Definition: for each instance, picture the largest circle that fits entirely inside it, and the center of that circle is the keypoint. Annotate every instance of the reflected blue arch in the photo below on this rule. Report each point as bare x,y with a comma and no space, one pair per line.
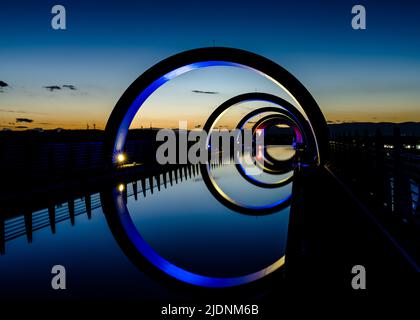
171,269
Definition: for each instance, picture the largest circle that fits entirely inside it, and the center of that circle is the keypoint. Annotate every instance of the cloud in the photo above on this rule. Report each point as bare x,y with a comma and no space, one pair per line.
205,92
18,120
3,85
21,127
57,87
69,86
52,88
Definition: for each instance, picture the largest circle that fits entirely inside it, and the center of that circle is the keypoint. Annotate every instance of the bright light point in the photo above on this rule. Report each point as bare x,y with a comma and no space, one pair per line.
121,188
259,155
259,131
121,157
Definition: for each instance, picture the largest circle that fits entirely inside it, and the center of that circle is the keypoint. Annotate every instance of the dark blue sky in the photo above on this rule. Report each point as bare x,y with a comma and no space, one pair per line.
354,75
312,26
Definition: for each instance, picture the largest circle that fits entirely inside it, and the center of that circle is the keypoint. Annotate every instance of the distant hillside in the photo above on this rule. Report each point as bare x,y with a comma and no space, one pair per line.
387,128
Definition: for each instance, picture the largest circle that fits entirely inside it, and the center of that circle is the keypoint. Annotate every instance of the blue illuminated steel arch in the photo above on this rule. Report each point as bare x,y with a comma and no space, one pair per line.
269,163
141,89
283,108
296,120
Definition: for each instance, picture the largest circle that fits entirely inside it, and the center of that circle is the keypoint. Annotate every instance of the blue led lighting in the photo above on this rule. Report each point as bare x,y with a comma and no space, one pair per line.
145,94
174,271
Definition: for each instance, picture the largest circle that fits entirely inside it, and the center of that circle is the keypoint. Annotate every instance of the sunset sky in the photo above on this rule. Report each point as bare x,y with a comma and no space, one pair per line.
369,75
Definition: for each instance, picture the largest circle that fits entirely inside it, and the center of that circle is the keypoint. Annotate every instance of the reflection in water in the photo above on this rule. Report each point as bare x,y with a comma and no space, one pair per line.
281,152
246,189
280,177
171,222
197,240
183,223
56,213
49,217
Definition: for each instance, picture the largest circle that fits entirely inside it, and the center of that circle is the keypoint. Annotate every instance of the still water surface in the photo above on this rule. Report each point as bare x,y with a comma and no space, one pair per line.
182,222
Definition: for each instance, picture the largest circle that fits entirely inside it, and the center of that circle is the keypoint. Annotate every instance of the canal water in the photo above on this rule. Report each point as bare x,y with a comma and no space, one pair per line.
177,217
